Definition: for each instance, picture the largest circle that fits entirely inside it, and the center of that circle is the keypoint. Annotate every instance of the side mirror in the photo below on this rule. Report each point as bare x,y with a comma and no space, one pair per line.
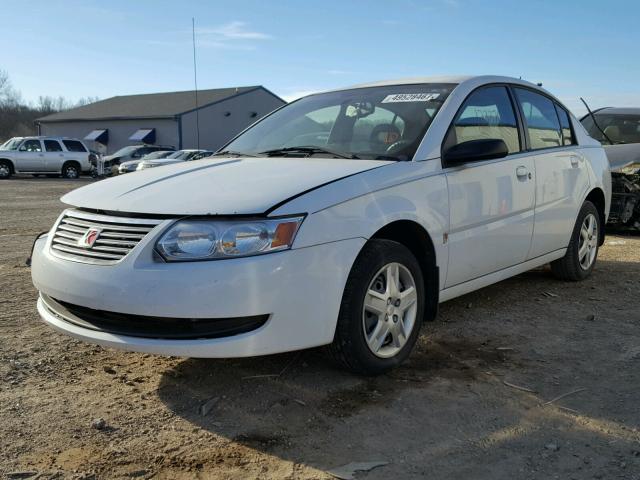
475,151
23,148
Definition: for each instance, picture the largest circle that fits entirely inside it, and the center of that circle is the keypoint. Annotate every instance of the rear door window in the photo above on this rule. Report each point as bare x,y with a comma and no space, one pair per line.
74,146
541,119
486,114
52,146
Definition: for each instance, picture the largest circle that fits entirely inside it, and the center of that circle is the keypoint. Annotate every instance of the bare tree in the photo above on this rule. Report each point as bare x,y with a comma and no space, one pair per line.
17,118
8,96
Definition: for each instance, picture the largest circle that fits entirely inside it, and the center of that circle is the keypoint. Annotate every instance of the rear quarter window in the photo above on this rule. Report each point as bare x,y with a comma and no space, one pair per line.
568,138
74,146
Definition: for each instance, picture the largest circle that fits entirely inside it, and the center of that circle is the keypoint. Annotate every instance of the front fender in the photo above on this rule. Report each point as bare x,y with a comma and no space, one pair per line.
420,197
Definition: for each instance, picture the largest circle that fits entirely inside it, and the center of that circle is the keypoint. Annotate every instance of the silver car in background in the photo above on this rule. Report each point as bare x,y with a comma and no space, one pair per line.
175,157
131,165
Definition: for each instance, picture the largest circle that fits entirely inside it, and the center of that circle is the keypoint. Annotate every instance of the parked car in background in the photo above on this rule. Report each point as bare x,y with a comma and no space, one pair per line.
175,157
132,152
68,157
618,129
131,165
341,219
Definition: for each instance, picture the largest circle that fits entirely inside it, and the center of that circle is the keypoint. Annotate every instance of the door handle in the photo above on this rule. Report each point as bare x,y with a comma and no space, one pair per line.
574,161
523,172
41,154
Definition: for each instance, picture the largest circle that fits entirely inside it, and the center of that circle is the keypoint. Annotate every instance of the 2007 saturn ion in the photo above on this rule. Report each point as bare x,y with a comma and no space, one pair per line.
341,219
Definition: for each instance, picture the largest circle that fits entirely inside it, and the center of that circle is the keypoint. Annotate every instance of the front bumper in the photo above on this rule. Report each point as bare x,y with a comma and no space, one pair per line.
300,290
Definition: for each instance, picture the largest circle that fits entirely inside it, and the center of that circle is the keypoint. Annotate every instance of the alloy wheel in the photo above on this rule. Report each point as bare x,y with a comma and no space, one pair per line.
389,310
5,171
588,244
71,172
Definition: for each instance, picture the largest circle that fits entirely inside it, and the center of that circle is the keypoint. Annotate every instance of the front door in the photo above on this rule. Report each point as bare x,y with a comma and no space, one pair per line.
491,203
30,157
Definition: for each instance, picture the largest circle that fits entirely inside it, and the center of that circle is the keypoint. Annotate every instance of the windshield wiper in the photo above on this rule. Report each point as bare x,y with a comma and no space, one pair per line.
309,151
231,153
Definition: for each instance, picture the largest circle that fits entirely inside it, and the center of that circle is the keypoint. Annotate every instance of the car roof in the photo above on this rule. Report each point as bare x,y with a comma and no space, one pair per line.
619,110
454,79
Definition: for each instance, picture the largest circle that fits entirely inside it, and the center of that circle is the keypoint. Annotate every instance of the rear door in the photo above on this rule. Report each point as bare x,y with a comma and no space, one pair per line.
54,155
76,151
562,180
491,202
30,157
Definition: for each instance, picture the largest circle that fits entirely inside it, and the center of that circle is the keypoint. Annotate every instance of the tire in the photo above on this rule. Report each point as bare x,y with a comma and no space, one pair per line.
356,346
35,175
5,170
70,170
582,252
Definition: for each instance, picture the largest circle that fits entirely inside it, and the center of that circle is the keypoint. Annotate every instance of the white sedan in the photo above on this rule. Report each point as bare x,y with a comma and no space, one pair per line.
341,219
175,157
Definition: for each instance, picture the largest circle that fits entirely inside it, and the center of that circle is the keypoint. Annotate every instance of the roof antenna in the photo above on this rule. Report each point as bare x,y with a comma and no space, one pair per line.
195,80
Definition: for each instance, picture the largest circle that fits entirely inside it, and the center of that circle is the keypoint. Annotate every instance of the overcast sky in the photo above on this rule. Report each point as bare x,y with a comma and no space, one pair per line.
82,48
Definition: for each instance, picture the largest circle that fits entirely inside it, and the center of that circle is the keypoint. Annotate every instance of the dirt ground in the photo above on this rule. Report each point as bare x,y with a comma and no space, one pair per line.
452,412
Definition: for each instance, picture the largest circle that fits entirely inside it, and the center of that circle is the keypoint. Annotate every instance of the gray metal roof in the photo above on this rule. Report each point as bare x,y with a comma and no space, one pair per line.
151,105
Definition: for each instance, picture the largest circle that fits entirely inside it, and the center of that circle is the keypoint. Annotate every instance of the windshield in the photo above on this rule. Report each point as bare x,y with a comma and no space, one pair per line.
157,154
123,152
179,154
373,123
619,128
11,144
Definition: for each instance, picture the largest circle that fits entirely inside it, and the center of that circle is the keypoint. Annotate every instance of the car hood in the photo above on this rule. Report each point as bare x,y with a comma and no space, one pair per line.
622,155
225,186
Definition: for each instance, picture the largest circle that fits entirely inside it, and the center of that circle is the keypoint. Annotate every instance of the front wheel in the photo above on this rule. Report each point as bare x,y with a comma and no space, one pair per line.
382,309
582,252
5,169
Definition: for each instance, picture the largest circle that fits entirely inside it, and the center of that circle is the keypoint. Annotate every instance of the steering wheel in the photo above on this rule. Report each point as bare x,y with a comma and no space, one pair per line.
398,146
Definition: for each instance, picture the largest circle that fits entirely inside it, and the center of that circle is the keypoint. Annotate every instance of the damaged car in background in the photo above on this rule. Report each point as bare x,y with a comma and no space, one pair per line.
618,129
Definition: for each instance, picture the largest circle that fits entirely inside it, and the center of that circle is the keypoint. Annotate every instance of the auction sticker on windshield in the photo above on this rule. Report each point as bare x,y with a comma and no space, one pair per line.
410,97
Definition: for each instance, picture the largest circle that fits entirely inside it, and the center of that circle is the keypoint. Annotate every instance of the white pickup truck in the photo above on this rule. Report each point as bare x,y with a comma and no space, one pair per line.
44,155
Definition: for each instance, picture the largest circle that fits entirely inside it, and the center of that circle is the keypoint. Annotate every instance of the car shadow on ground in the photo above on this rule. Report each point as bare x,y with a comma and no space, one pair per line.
294,404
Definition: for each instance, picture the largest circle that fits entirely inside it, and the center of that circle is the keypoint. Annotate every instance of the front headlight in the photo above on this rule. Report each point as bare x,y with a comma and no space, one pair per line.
209,240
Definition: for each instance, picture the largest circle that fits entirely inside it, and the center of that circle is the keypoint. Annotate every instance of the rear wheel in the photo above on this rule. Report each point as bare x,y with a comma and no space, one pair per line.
382,309
5,169
70,170
582,252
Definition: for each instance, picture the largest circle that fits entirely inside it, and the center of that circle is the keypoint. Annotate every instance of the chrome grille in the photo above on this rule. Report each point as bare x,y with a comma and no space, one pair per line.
114,238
